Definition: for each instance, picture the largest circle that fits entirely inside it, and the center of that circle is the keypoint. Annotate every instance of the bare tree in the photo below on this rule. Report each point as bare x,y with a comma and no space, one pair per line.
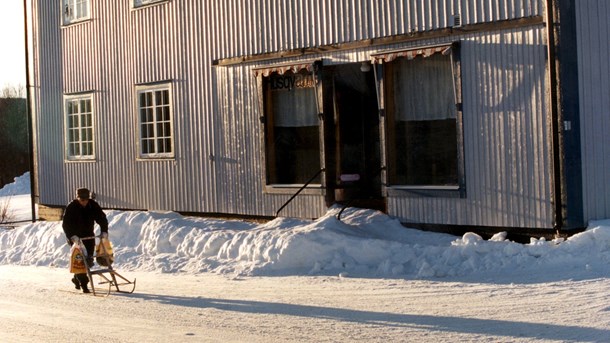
12,92
6,215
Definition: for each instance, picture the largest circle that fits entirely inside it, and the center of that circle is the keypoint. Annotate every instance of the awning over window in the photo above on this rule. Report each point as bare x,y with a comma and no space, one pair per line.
389,56
281,69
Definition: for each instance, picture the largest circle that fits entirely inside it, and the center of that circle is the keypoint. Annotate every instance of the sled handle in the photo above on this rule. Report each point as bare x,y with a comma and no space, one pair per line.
87,238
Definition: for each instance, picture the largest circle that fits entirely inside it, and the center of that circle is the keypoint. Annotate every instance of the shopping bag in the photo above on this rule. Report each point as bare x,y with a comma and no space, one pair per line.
103,252
78,259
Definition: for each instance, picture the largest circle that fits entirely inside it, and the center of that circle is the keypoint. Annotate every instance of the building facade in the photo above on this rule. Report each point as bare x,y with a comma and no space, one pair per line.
441,113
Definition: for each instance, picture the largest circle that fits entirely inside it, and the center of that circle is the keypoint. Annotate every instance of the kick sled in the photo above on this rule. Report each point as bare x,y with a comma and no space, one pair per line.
105,276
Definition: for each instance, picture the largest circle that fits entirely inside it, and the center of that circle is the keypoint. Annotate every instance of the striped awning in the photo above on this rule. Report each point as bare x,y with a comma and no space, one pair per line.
282,69
389,56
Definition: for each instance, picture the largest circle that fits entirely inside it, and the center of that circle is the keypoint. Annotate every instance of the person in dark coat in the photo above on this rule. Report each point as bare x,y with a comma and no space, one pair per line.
79,219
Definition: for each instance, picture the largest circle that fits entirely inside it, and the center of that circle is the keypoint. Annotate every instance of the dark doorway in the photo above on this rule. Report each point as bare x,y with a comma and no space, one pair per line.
355,137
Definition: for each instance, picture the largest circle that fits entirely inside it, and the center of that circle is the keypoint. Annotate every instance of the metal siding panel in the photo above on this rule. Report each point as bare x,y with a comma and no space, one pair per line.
238,158
196,185
214,110
508,174
108,100
593,34
49,119
287,25
478,11
107,59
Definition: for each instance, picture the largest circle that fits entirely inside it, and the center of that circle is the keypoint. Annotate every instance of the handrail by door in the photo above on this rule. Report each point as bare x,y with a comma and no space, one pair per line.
299,191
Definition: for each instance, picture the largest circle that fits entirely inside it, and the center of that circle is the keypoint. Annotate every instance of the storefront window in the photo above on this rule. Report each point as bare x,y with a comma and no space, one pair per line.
292,128
425,122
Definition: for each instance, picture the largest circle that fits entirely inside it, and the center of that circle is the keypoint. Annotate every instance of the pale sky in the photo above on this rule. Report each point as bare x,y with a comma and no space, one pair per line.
12,57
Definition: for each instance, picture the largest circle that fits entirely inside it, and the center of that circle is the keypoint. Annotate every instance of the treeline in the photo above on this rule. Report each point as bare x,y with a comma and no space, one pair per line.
14,150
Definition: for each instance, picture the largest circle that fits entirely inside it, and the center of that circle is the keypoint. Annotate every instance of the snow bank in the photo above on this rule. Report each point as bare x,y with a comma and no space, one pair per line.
365,243
20,186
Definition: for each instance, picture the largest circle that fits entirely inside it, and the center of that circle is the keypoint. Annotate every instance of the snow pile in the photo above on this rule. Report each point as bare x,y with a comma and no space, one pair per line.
365,243
19,187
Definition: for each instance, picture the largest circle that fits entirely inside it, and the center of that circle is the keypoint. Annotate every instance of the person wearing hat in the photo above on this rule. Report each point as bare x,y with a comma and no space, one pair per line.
79,219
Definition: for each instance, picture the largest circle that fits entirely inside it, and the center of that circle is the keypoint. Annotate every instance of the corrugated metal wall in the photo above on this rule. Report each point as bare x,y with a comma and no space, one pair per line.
272,26
47,106
218,155
507,159
594,79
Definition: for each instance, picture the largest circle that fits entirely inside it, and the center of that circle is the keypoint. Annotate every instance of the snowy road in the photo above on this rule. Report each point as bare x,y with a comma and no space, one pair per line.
215,308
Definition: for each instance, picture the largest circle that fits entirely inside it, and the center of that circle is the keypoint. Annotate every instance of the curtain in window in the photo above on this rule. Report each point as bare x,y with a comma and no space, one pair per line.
424,86
295,108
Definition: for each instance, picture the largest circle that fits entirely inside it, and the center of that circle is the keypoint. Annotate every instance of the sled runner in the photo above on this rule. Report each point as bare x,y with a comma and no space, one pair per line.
106,275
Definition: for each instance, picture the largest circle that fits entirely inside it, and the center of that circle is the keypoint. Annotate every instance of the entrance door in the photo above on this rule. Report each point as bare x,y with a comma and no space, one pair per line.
357,159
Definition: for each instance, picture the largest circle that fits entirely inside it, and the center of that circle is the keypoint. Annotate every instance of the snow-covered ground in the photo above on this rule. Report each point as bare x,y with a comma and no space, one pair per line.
364,278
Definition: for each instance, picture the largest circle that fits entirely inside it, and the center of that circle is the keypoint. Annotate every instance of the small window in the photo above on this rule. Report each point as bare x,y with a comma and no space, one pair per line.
155,123
140,3
292,128
75,11
79,127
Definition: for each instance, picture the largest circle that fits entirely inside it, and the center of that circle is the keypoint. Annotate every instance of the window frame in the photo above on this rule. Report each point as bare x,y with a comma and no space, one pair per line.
263,73
68,98
136,5
146,88
385,95
71,4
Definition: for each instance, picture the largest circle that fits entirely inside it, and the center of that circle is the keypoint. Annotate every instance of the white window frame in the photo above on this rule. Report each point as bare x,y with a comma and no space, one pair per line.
73,11
79,130
143,3
154,136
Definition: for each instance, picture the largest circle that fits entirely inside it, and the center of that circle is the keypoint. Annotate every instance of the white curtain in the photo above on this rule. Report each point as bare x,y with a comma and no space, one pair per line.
423,88
295,108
